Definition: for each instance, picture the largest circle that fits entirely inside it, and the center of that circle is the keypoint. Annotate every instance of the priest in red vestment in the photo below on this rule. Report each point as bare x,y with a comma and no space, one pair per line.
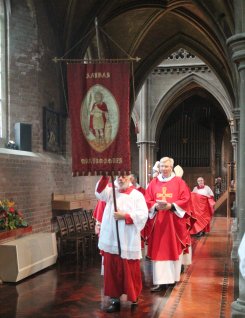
203,205
122,273
168,199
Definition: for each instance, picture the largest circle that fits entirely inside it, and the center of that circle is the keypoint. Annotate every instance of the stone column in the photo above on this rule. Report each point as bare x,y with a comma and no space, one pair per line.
237,46
142,135
146,161
146,146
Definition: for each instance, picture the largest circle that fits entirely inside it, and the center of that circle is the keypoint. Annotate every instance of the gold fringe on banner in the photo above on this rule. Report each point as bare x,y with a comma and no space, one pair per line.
100,173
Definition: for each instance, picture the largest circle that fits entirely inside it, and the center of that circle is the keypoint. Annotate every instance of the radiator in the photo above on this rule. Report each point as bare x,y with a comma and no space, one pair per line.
27,255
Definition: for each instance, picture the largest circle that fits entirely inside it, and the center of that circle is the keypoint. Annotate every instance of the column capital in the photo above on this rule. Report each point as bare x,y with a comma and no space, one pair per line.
236,112
237,45
234,138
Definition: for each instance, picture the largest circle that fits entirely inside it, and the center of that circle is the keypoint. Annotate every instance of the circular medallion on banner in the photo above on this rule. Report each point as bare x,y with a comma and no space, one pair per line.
99,117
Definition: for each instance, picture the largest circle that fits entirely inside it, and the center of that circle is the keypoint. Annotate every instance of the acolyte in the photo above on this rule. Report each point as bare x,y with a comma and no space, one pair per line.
98,75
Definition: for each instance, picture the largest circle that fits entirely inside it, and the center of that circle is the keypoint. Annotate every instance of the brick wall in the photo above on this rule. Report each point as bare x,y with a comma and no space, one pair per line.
34,82
31,180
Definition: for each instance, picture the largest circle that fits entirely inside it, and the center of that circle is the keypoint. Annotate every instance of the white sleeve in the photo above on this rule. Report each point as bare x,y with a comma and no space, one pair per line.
139,211
104,195
210,192
241,253
179,212
152,211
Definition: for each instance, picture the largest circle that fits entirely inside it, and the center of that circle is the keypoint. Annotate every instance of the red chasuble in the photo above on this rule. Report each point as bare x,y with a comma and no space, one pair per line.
170,235
203,207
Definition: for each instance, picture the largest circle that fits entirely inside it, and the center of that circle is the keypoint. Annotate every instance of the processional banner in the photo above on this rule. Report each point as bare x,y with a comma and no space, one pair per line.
98,96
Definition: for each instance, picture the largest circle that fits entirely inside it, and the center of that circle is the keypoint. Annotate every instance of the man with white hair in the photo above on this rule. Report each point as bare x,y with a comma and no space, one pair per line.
168,198
122,273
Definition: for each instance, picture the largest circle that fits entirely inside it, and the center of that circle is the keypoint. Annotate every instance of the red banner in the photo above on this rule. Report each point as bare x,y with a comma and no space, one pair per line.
99,113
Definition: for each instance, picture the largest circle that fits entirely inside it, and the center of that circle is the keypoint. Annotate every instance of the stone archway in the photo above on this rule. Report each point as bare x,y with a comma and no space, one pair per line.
184,88
193,135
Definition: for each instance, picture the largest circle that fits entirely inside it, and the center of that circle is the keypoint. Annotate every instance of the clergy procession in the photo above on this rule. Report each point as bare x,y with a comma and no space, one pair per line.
163,218
122,159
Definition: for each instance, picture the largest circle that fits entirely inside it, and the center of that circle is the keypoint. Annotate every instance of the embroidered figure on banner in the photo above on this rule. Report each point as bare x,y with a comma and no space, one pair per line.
99,117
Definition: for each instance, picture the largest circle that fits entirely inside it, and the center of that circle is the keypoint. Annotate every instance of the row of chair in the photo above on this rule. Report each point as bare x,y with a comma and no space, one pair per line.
76,234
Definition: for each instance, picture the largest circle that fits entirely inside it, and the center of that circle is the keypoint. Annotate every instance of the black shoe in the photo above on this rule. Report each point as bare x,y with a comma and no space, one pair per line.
135,303
159,288
114,306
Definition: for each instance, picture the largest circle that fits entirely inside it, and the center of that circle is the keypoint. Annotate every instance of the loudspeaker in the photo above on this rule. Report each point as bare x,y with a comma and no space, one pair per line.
23,136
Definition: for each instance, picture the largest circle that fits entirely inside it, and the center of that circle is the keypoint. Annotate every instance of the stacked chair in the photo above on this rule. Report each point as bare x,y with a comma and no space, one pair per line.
76,233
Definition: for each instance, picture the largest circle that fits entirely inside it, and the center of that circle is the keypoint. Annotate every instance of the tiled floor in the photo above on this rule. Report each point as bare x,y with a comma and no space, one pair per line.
206,289
70,290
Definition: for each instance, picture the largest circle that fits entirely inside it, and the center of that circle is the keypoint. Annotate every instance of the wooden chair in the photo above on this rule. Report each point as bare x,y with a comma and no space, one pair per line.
68,238
82,228
90,232
88,214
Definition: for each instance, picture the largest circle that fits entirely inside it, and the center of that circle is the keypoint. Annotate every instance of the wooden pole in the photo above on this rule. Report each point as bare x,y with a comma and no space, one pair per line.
115,208
97,37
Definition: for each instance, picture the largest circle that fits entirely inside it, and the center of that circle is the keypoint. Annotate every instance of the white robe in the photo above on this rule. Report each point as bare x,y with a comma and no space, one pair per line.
130,240
204,191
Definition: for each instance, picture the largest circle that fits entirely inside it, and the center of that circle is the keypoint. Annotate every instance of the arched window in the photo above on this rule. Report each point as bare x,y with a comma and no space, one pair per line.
3,107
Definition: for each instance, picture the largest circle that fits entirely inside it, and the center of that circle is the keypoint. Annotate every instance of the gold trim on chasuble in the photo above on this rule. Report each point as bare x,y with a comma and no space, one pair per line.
164,195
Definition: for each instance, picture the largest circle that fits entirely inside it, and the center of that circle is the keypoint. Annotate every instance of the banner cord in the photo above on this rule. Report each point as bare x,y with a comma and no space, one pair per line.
73,47
99,60
133,87
64,91
110,38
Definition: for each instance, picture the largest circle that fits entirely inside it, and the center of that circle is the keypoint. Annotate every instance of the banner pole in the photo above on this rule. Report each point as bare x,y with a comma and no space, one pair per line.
97,37
115,208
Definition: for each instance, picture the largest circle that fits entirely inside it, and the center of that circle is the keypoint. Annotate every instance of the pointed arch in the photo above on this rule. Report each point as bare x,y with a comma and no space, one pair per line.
180,89
219,65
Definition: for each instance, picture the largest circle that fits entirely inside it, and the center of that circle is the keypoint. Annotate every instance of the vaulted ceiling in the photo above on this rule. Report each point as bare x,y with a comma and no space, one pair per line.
150,30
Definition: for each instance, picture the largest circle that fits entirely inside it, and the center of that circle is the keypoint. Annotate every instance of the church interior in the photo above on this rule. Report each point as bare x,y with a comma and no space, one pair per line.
186,101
